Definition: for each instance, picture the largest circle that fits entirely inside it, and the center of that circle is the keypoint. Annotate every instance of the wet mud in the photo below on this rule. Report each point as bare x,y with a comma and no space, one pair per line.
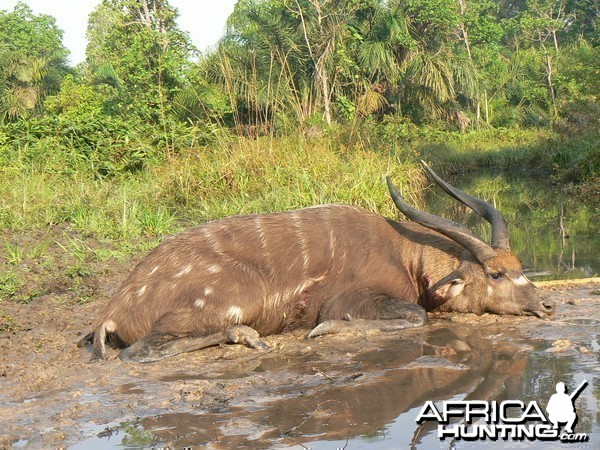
333,392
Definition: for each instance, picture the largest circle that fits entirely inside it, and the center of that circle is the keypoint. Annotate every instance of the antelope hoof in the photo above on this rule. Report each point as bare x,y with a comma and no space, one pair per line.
241,334
329,327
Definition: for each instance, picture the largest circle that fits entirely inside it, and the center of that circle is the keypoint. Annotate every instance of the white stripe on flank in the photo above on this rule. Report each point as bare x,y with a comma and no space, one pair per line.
293,292
332,240
262,237
214,244
260,229
301,238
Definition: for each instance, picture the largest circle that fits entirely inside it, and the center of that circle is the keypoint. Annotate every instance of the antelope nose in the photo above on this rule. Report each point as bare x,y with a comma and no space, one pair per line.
547,306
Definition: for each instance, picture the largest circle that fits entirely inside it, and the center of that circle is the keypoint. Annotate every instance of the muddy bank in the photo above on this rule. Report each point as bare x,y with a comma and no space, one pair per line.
357,391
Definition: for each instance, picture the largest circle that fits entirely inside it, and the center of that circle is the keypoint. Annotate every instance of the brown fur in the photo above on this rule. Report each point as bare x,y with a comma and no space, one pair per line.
297,269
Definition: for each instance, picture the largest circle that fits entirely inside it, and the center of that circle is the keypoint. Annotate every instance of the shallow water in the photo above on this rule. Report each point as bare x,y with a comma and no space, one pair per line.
555,235
327,397
337,392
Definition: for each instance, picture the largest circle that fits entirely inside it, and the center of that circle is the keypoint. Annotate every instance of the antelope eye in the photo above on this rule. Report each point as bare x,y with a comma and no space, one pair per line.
495,275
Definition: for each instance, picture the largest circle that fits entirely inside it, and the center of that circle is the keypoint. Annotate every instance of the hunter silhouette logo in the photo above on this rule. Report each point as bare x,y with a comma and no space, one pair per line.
507,420
561,408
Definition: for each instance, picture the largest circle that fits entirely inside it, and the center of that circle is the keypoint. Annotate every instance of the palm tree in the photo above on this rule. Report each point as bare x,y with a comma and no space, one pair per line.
434,80
24,84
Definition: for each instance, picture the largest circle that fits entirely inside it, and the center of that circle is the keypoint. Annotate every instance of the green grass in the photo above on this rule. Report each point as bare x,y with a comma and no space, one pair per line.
62,228
494,148
10,283
240,176
571,158
233,177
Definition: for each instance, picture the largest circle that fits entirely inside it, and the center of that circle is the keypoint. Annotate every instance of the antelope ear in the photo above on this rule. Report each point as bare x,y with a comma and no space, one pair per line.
449,287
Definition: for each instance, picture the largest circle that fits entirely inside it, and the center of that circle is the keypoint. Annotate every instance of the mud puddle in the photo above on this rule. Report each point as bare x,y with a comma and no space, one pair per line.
336,392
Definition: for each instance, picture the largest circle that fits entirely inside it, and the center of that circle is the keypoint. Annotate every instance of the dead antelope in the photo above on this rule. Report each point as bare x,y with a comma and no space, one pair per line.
330,268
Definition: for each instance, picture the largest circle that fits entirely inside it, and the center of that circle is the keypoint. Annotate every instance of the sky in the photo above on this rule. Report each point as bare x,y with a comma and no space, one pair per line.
203,19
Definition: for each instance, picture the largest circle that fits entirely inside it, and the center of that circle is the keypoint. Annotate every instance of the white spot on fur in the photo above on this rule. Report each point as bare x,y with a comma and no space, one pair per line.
235,314
141,290
110,326
185,270
214,268
199,303
153,270
521,281
208,290
490,290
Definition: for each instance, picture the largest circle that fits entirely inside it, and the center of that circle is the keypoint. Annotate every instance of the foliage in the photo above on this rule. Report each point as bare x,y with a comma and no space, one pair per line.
77,140
33,61
397,75
136,45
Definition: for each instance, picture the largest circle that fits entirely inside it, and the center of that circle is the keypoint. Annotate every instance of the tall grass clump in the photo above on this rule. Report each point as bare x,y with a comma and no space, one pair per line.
253,176
232,176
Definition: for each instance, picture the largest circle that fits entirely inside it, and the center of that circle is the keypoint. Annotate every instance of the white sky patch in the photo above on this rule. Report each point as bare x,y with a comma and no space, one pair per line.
204,20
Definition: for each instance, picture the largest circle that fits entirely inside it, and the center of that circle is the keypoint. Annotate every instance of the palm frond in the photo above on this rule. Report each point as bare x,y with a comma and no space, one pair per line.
370,102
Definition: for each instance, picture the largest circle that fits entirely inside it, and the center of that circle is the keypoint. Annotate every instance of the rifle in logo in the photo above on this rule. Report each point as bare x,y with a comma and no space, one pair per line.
561,408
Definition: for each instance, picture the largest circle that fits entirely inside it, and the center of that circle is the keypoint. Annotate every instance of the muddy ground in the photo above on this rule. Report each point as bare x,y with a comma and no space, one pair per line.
352,391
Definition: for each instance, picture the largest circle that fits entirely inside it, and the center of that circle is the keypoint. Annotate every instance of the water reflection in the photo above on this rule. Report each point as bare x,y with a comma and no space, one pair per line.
554,234
436,364
373,398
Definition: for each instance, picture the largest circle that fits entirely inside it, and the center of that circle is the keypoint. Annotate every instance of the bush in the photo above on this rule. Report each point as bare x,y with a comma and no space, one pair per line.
99,145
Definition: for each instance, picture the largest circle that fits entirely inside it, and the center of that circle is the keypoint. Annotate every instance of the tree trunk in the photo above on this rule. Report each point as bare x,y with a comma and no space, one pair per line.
463,29
487,110
322,80
146,19
555,40
322,75
550,84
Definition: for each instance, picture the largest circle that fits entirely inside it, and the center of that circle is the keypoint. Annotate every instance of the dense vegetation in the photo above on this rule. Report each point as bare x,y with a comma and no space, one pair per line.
289,65
301,102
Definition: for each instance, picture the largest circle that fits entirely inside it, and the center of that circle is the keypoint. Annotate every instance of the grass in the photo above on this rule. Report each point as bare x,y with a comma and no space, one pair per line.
235,177
16,253
10,284
569,158
63,229
65,226
494,148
